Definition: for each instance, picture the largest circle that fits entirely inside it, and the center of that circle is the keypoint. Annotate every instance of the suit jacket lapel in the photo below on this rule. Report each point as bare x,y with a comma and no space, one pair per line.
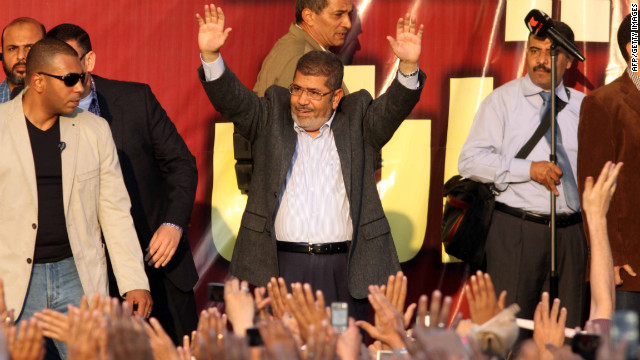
289,141
632,98
18,128
109,110
69,136
340,128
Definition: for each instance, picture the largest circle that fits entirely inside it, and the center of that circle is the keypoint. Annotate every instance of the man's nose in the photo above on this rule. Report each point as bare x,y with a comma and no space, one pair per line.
346,22
22,53
78,87
304,98
544,57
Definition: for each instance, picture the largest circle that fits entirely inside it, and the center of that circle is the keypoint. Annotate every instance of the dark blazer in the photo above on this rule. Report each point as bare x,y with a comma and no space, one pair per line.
610,130
159,171
361,127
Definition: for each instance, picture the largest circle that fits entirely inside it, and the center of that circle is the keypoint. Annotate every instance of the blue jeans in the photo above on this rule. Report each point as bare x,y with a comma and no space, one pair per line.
53,286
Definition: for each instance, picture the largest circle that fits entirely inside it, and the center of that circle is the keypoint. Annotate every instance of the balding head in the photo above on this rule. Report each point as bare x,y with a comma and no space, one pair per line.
17,39
24,21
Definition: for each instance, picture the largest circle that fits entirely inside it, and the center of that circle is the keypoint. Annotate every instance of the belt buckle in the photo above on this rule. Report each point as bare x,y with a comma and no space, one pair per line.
310,248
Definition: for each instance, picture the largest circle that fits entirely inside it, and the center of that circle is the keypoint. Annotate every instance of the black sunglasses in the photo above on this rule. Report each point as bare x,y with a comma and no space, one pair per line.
69,80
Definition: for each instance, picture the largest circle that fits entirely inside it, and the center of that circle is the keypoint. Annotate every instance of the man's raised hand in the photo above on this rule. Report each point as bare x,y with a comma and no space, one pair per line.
407,44
211,32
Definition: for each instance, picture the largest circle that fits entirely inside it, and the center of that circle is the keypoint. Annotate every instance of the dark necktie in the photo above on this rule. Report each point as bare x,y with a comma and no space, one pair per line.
94,107
569,184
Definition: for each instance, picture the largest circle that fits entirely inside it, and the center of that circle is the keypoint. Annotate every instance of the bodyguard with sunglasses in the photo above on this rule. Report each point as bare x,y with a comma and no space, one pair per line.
61,188
313,214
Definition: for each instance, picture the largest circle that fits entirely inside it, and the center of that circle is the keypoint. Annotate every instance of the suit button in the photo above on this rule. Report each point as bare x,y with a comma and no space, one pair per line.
29,260
34,226
275,194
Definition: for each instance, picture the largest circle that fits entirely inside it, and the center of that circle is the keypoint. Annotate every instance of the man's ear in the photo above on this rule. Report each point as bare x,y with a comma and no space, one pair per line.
90,61
308,16
569,61
37,83
337,96
628,47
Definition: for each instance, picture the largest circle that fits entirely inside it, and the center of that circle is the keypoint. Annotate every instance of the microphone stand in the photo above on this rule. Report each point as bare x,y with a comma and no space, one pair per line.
553,275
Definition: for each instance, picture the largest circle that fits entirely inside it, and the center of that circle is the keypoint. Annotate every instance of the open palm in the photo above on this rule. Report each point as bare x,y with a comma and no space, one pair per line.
407,44
211,33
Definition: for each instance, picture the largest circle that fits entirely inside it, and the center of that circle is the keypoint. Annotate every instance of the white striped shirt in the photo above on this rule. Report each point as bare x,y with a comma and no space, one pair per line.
313,205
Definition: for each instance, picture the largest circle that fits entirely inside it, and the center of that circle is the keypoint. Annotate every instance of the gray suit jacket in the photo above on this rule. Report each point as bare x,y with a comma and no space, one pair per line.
361,127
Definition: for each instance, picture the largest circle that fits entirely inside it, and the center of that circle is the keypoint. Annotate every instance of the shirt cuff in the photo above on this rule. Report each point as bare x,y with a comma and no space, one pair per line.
410,82
177,227
520,170
213,70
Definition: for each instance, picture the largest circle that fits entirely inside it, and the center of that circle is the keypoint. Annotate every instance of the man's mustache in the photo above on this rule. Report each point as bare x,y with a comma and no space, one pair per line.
542,67
23,63
304,107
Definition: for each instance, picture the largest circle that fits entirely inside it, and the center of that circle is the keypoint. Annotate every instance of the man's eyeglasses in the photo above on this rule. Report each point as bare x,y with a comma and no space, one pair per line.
313,94
69,80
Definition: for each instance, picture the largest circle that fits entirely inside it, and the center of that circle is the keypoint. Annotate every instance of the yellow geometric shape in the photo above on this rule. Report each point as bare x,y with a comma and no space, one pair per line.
465,97
404,185
589,19
357,77
515,29
227,202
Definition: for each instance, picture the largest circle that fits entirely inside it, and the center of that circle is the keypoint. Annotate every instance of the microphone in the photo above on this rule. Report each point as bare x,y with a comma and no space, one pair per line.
62,145
540,24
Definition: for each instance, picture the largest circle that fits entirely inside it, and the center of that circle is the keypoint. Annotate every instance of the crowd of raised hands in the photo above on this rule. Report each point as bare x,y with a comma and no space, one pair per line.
294,322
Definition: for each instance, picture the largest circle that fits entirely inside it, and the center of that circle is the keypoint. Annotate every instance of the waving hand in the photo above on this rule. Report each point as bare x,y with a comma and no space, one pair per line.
211,32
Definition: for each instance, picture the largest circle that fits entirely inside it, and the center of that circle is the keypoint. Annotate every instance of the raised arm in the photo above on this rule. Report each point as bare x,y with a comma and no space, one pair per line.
595,203
211,32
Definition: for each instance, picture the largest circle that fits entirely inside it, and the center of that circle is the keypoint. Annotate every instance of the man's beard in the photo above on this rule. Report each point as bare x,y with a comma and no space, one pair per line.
13,77
310,120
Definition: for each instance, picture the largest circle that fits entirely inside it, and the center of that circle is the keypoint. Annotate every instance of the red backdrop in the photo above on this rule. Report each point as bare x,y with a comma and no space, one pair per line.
155,42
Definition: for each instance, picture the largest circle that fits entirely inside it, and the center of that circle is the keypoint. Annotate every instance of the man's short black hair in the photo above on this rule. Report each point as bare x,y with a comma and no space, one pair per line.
624,36
44,51
314,5
322,63
67,32
23,20
563,29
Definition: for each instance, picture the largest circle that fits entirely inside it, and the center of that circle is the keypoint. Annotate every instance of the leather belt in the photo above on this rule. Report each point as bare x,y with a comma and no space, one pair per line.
317,249
561,220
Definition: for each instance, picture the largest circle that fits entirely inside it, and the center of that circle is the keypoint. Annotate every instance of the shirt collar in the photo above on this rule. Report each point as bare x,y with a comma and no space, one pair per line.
634,77
5,91
298,26
529,89
322,129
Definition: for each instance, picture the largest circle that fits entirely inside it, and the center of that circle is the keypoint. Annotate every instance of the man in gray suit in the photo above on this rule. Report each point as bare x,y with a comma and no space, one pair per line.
313,213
